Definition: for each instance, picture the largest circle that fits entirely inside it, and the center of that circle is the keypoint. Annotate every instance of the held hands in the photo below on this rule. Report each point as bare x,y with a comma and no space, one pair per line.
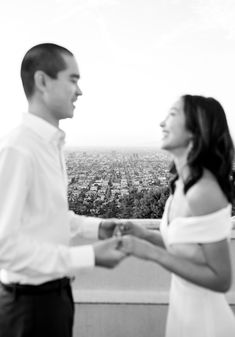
134,240
130,228
117,227
131,245
107,228
108,253
121,238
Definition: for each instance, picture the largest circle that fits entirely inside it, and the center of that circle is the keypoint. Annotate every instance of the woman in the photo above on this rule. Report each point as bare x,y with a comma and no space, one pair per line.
196,225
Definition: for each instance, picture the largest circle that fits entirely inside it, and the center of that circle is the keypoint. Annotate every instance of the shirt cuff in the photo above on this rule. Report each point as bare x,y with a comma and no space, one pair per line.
82,257
91,228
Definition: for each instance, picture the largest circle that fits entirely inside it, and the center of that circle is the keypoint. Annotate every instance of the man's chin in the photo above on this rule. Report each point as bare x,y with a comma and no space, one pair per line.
70,114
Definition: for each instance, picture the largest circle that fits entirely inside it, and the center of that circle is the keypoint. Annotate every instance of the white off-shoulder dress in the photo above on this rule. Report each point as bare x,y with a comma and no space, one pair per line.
195,311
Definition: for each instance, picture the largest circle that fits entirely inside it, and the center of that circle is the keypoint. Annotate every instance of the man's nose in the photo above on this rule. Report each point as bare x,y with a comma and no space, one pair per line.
78,91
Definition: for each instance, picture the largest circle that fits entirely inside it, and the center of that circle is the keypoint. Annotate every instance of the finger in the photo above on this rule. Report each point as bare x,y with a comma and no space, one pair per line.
121,254
127,244
115,242
121,229
117,231
119,243
128,227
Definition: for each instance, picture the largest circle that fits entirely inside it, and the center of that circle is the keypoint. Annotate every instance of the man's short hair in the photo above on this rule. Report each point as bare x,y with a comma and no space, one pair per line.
47,57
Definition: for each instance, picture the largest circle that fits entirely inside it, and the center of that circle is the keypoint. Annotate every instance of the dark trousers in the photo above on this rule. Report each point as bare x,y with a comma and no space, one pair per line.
36,311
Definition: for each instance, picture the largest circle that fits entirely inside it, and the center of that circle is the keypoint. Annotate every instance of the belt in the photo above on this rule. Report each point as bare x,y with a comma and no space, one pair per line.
44,288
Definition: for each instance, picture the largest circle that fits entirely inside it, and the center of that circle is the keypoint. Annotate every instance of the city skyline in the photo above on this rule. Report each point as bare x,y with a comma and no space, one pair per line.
136,57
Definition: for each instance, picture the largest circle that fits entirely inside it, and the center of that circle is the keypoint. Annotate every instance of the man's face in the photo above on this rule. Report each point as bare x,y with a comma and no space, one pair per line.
63,91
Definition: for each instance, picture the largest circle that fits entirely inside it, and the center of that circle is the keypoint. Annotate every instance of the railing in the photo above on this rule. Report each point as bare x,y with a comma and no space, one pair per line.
128,301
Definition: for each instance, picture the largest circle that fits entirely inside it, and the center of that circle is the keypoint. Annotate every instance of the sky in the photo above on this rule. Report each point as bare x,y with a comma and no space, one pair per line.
136,57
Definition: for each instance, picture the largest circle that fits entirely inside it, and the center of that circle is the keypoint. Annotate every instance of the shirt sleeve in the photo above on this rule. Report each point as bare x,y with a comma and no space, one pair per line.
87,227
19,252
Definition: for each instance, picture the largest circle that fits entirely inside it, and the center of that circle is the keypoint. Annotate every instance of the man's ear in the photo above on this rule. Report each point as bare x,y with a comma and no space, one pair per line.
40,80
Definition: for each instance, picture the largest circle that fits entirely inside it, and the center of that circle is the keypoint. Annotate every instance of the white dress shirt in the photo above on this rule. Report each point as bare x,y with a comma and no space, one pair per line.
35,223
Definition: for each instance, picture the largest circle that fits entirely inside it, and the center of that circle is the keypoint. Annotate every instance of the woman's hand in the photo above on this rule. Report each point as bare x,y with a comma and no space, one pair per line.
137,247
128,227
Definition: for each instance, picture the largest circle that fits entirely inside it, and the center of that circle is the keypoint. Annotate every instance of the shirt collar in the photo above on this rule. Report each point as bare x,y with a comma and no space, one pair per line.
45,130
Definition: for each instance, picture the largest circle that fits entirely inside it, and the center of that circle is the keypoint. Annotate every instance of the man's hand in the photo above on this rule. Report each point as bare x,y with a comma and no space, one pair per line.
107,253
118,227
130,228
107,228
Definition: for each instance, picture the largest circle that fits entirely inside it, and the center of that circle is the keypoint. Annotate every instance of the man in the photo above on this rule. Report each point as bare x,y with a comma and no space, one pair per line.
35,224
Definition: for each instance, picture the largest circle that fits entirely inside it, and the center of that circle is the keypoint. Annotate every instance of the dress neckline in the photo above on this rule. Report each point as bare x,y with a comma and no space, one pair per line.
168,222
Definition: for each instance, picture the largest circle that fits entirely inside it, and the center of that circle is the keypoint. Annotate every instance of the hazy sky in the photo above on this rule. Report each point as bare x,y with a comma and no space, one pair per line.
136,57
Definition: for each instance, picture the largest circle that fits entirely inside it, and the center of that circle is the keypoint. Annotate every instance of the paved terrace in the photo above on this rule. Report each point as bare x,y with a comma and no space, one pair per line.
128,301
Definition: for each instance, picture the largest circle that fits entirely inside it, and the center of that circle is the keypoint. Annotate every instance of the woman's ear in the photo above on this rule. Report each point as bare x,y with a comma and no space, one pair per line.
190,144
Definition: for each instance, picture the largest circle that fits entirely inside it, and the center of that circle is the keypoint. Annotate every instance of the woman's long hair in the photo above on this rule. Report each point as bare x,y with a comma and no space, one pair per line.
212,145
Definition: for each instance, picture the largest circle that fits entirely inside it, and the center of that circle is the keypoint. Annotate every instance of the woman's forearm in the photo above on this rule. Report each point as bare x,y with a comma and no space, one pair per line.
154,237
200,274
139,231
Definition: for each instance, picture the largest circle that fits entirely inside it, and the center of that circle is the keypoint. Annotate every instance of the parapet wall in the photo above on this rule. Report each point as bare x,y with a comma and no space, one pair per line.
128,301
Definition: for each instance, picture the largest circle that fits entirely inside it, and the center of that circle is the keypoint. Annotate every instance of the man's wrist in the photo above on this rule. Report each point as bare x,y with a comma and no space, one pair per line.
101,231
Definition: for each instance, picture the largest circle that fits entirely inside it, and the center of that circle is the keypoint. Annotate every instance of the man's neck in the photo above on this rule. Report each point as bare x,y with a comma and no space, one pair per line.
41,111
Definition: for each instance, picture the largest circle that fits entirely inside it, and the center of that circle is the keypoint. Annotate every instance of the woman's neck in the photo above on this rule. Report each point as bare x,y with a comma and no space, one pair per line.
182,167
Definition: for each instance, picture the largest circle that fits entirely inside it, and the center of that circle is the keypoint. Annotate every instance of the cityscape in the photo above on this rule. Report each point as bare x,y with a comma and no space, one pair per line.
118,183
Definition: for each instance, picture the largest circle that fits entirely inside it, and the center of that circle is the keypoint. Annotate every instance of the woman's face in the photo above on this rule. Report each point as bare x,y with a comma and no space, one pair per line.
175,137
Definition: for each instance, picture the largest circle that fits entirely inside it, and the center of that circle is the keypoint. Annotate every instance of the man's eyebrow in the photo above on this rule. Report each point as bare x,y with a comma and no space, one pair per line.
76,76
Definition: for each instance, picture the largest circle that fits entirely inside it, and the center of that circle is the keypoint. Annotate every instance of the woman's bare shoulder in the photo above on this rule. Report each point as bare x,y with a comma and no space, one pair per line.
206,196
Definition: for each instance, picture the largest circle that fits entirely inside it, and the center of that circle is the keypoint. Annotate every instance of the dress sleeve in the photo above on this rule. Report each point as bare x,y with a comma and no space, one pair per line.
202,229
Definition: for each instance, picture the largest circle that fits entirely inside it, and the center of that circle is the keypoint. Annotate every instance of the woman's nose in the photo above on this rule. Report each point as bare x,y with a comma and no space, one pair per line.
162,124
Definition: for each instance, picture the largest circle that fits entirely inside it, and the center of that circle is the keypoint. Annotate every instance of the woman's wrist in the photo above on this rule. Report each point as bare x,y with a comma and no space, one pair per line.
146,235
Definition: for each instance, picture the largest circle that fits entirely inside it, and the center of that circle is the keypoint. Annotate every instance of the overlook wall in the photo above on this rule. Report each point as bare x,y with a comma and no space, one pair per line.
128,301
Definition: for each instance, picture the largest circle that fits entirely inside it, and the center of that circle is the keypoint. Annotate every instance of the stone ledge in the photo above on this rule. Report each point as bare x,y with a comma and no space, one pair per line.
129,297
